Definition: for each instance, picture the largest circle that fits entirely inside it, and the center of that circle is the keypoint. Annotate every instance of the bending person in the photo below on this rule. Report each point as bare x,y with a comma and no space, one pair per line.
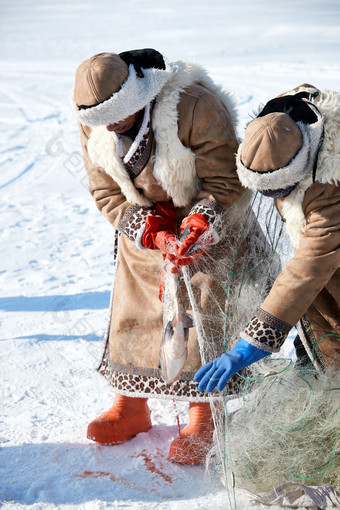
291,152
159,148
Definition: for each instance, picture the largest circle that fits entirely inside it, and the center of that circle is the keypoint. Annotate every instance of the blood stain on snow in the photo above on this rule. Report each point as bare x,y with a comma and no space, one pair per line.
151,466
92,474
113,478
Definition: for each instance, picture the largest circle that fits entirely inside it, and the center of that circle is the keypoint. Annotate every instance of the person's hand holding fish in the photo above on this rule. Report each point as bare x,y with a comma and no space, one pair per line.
168,244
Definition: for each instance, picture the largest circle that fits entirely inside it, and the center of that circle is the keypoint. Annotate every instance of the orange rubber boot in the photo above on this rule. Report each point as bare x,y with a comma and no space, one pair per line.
126,418
195,440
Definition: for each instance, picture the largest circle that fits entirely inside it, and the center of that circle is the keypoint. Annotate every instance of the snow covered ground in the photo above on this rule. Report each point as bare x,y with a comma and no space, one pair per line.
56,248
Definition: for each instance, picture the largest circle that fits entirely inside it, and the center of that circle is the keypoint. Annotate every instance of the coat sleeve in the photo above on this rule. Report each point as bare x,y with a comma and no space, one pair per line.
106,193
213,141
126,217
305,275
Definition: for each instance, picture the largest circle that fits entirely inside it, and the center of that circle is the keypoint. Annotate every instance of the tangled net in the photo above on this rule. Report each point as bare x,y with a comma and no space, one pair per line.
286,429
287,424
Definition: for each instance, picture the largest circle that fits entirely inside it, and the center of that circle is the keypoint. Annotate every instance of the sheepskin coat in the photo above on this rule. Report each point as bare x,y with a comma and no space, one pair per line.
193,158
307,292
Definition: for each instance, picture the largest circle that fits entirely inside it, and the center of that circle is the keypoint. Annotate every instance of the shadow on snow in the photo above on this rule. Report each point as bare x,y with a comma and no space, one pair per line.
57,303
67,473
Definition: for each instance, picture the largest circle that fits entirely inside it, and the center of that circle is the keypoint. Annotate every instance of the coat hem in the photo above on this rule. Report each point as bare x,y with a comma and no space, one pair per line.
208,398
131,382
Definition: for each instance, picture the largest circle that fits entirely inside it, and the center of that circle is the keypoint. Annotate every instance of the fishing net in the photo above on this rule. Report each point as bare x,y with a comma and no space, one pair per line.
226,286
286,426
286,429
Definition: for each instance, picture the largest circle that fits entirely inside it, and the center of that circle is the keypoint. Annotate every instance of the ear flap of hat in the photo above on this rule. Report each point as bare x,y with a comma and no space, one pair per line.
298,109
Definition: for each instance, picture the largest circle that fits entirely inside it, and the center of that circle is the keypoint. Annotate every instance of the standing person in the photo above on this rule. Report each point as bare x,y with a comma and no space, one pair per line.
159,148
291,152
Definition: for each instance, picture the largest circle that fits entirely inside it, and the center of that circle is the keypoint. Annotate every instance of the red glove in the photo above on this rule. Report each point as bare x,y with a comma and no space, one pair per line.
160,230
167,243
198,225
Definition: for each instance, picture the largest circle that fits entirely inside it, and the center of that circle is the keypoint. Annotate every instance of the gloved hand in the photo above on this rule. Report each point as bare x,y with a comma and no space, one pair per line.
218,372
160,228
198,227
167,243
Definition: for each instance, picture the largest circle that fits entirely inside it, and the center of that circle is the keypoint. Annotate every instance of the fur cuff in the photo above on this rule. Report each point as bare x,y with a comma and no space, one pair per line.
259,345
132,224
266,331
139,237
212,211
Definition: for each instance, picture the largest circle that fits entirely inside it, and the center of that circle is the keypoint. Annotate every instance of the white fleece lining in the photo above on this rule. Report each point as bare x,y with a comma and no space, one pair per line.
174,164
132,97
289,175
328,169
139,237
102,151
293,213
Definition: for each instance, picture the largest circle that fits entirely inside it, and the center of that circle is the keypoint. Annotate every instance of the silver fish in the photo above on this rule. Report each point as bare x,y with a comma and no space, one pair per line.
174,347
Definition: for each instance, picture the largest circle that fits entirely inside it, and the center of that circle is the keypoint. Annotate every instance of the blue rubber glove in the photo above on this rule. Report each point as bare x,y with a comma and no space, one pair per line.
218,372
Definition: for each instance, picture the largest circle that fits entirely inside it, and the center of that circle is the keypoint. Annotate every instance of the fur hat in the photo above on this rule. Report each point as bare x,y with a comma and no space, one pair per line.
111,87
280,146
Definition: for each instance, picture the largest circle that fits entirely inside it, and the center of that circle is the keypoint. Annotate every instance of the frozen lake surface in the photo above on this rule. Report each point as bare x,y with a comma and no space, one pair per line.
56,248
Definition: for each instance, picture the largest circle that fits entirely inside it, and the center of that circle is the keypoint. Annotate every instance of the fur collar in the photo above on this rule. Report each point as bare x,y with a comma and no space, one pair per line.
173,164
328,167
103,151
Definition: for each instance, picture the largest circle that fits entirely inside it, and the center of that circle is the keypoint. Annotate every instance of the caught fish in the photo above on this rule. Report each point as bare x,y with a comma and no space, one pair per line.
174,347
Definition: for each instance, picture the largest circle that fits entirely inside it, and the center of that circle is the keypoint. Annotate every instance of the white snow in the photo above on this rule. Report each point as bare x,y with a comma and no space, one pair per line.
56,248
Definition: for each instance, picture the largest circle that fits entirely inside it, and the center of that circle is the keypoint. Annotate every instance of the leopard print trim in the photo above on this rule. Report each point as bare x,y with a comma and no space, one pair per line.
140,151
132,223
266,332
263,344
115,246
129,382
273,321
212,211
139,160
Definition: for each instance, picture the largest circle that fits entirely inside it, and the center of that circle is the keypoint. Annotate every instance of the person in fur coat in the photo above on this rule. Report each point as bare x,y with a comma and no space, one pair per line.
291,152
159,148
